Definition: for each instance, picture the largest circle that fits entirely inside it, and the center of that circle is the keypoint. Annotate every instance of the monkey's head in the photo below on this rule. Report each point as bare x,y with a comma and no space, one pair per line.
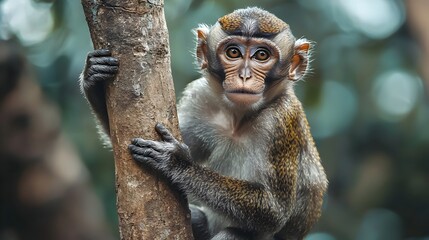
250,56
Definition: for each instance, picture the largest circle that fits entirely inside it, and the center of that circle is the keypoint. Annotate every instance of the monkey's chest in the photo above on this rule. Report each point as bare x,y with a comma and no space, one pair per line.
239,155
234,160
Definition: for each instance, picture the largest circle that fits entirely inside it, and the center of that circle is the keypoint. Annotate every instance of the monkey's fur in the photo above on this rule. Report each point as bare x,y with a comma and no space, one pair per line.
248,163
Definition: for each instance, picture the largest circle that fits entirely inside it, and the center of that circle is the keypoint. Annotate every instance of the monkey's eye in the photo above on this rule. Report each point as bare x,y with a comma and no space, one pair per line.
233,52
261,55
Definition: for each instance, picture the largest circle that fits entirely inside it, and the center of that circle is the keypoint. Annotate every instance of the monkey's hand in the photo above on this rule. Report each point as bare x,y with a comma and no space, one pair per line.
169,156
100,66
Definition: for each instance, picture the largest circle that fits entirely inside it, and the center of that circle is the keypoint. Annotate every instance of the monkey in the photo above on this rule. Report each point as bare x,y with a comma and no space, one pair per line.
248,162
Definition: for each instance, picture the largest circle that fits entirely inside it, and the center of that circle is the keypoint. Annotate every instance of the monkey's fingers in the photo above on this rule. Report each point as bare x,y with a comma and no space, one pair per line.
155,145
99,53
143,151
102,69
104,60
98,77
146,156
145,160
165,134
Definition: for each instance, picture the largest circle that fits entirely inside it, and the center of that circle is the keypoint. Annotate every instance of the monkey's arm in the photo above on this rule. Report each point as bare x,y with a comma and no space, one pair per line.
100,67
250,204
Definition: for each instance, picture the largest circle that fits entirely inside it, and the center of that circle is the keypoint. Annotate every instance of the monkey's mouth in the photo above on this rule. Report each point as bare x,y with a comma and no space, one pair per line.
243,96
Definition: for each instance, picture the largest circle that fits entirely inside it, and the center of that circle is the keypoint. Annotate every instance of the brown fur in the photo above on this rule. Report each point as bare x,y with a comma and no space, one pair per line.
266,22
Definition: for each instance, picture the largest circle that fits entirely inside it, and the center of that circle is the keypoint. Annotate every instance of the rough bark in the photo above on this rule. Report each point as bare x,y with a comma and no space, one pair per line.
141,95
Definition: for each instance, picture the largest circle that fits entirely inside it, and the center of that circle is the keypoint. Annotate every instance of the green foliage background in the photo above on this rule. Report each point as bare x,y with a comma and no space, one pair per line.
366,100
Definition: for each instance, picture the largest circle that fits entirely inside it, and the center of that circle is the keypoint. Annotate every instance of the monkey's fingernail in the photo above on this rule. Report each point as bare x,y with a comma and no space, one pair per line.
136,141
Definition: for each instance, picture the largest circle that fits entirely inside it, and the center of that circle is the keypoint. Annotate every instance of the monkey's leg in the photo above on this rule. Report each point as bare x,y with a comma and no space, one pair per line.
199,224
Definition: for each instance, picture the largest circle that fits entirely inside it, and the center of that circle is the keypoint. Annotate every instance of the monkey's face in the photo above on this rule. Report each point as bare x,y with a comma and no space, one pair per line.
246,63
250,57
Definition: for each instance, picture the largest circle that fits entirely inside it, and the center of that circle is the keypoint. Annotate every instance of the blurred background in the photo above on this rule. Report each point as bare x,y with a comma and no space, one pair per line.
366,99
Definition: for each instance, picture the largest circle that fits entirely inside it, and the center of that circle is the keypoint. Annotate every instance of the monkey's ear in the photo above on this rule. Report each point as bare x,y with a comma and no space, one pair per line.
299,61
202,32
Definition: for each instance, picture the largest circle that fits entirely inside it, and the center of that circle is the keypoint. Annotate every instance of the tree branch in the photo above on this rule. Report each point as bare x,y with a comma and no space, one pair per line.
141,95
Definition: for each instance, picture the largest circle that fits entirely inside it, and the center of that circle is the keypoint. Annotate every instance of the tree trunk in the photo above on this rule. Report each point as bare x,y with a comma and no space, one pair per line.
141,95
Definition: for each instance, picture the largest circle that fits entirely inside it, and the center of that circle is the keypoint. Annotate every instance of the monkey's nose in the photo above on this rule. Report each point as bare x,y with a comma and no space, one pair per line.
245,74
